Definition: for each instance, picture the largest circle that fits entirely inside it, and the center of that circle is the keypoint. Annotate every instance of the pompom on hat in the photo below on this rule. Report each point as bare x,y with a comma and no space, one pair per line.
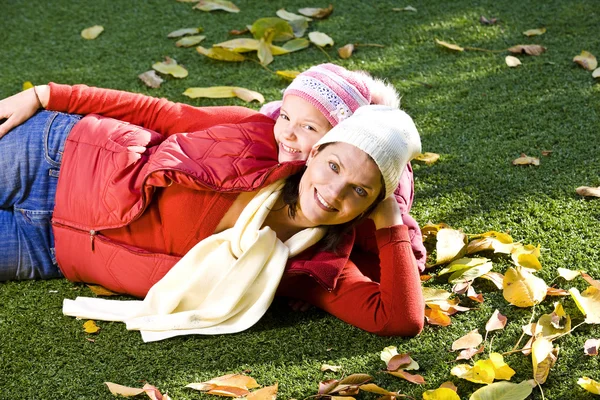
387,134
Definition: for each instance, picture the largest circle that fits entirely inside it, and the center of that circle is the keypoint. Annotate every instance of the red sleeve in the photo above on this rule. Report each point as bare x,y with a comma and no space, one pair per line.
160,115
394,307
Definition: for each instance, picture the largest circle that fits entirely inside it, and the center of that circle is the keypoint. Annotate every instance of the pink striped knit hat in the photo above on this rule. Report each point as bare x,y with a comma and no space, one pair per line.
333,90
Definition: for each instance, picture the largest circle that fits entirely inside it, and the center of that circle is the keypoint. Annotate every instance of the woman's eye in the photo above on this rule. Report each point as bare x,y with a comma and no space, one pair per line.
333,166
360,191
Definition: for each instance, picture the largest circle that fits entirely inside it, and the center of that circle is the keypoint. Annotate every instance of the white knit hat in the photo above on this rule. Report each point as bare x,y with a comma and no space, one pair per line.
387,134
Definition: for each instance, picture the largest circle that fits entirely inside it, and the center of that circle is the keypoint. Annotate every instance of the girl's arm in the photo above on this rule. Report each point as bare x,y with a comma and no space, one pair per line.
393,307
160,115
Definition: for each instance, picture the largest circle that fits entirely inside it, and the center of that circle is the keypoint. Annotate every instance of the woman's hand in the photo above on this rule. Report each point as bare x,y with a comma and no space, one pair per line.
20,107
387,213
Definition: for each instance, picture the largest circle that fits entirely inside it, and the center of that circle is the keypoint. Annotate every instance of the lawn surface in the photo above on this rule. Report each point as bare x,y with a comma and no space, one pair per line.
474,111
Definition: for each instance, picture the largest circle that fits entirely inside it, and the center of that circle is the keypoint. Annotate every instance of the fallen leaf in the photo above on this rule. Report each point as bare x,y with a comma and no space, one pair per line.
170,66
535,32
228,391
522,288
125,391
189,41
212,5
479,373
526,256
440,394
272,28
437,317
101,290
238,31
503,391
587,60
373,388
320,39
92,32
471,272
427,157
588,303
239,45
530,49
154,393
265,56
471,294
588,191
318,13
552,291
288,74
219,92
496,278
497,321
526,160
296,44
568,274
266,393
332,368
449,45
501,369
451,244
425,277
407,8
346,51
484,21
596,73
218,53
289,16
470,340
467,354
590,348
418,379
230,380
27,85
546,152
432,294
589,384
491,240
512,61
543,357
184,32
590,280
90,327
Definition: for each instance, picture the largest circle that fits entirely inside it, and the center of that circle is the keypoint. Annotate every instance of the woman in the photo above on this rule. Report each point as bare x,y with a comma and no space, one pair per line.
130,193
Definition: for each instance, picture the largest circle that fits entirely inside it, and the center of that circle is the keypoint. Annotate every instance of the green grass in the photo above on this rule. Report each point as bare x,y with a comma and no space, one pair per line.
478,114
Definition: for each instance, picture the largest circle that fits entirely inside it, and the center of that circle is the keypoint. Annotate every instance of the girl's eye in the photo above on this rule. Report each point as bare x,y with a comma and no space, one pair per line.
334,167
360,191
310,128
283,116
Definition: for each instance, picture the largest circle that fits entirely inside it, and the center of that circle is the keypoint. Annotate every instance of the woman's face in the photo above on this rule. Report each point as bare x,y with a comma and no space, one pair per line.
299,126
340,183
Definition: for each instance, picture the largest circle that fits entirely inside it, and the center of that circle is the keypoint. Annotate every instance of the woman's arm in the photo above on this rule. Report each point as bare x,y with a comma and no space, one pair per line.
160,115
394,307
20,107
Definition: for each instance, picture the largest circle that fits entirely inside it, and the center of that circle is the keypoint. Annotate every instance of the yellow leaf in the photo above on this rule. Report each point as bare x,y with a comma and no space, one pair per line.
169,66
346,51
228,391
587,190
522,288
289,16
471,339
526,256
503,391
189,41
90,327
295,45
512,61
495,277
440,394
320,39
588,303
501,369
318,13
101,290
92,32
272,29
535,32
596,73
215,92
242,45
218,53
437,317
586,60
288,74
184,32
332,368
464,263
449,45
530,49
556,323
427,157
373,388
526,160
211,5
451,244
568,274
231,380
266,393
589,384
125,391
543,357
432,294
248,95
264,53
27,85
481,372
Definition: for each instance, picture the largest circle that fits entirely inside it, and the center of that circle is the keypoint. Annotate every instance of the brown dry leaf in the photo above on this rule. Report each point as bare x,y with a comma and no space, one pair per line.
170,66
124,391
588,303
288,74
497,321
373,388
589,384
496,278
346,51
184,32
449,45
154,393
92,32
590,280
587,60
318,13
332,368
101,290
461,287
588,191
535,32
437,317
470,340
590,348
427,157
467,354
530,49
546,152
226,381
451,244
425,277
526,160
91,327
239,31
552,291
189,41
151,79
596,73
266,393
522,288
512,61
228,391
218,53
418,379
543,357
471,294
484,21
320,39
212,5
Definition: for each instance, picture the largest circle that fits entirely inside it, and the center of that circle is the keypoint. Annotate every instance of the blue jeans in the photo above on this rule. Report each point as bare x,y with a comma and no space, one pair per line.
30,158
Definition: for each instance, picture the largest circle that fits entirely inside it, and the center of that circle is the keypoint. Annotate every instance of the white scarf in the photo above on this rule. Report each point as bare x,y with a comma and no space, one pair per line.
224,284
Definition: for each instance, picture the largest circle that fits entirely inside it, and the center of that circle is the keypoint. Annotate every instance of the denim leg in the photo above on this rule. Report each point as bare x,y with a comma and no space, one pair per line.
30,158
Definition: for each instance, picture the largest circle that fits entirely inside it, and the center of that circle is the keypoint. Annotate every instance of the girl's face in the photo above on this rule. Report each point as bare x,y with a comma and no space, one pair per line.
299,126
340,183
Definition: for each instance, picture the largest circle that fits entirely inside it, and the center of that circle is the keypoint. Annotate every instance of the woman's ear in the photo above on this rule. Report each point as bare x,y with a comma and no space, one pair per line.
312,154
